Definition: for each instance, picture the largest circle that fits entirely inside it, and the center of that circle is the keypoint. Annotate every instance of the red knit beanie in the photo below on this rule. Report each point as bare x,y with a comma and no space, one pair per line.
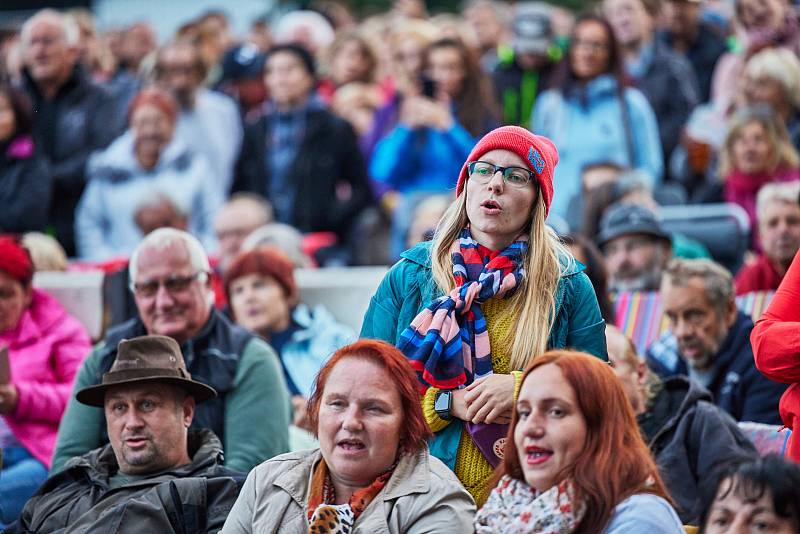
538,152
15,260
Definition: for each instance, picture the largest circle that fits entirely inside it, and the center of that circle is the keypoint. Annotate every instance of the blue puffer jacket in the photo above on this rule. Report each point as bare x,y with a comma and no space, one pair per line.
586,124
409,287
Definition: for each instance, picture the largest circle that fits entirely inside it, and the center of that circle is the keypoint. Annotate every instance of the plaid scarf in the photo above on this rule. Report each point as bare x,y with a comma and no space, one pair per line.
447,343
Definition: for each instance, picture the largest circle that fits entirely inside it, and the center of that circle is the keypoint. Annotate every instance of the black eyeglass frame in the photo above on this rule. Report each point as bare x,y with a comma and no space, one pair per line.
506,173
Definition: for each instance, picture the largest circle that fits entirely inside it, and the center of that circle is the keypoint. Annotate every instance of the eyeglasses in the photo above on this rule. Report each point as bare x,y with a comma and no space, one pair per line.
592,46
174,284
482,172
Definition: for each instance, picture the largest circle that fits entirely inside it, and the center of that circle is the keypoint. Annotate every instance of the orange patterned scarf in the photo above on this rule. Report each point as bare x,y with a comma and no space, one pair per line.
326,517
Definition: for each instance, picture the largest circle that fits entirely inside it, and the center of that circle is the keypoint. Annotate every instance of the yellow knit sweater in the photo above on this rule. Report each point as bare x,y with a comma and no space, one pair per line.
472,469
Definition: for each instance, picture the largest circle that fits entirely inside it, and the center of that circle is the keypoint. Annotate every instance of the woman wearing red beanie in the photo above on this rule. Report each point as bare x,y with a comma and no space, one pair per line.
494,289
45,348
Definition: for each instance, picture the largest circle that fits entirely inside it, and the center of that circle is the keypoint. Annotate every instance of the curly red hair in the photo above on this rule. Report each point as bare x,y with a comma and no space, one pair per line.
415,430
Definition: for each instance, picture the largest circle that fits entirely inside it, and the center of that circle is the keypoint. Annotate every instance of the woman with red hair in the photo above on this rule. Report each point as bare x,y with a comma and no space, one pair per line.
372,471
45,348
145,163
263,297
576,463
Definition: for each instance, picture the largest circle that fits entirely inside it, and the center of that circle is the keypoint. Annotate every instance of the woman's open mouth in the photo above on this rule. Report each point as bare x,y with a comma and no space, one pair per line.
491,207
537,455
351,445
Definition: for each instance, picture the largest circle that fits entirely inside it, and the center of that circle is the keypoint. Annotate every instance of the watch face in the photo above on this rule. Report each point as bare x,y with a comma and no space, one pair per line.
442,402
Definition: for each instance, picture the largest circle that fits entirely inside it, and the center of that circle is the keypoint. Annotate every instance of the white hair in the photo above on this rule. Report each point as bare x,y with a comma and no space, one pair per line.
780,65
69,28
282,236
782,192
320,30
163,238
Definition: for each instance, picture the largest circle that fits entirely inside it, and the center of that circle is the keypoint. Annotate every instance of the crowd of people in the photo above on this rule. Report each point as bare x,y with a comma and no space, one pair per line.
512,161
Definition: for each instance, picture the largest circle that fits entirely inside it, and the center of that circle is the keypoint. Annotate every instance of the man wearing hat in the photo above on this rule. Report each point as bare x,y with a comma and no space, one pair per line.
171,285
242,76
525,68
635,247
156,475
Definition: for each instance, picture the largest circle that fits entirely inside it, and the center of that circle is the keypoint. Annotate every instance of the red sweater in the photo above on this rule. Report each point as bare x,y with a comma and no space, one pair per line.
760,275
776,347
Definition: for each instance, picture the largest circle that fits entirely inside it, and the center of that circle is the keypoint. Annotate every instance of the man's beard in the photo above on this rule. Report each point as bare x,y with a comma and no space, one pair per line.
649,280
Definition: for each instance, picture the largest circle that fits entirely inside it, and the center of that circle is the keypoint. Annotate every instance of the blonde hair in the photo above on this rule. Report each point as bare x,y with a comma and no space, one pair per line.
46,253
652,384
782,153
778,64
534,303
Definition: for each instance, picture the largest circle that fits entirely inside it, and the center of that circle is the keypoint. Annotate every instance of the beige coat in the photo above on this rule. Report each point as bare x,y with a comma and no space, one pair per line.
422,496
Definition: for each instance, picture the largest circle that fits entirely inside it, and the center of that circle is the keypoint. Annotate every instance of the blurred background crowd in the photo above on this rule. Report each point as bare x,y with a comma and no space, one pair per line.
348,124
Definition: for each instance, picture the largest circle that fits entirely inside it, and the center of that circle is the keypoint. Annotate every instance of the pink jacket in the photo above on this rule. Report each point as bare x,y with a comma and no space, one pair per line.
45,350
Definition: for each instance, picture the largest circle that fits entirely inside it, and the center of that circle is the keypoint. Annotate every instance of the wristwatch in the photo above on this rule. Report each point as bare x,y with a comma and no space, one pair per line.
442,404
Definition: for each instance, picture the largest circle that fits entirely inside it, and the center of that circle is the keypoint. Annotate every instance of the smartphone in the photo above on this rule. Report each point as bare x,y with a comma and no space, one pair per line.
5,367
428,87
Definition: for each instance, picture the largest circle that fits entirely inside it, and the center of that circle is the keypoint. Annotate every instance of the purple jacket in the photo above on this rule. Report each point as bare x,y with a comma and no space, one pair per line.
45,350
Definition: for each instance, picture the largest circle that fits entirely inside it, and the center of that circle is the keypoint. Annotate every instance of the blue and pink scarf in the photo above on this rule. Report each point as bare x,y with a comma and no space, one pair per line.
447,343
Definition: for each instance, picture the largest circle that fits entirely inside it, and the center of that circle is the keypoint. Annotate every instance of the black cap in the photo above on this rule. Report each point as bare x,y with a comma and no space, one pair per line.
625,219
243,62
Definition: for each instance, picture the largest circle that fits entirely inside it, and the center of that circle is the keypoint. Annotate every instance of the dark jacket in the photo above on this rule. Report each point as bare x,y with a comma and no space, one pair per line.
192,498
25,187
328,158
690,437
240,366
516,90
211,357
702,54
670,86
80,118
737,386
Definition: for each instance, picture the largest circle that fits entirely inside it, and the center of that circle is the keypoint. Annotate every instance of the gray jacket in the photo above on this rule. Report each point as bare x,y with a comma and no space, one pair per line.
81,499
422,496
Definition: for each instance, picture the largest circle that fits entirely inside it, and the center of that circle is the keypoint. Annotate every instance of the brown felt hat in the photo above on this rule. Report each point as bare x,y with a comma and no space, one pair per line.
146,359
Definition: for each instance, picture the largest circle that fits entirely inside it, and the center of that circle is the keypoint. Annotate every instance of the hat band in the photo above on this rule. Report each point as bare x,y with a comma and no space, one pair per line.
112,377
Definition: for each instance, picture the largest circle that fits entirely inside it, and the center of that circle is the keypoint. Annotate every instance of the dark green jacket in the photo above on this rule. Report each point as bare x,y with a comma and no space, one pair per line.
409,287
196,497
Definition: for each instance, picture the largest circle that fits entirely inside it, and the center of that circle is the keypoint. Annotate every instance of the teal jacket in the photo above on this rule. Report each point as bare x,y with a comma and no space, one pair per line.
409,287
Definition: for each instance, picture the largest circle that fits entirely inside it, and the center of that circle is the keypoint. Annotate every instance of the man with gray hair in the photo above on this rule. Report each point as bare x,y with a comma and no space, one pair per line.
710,341
778,216
72,116
171,284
